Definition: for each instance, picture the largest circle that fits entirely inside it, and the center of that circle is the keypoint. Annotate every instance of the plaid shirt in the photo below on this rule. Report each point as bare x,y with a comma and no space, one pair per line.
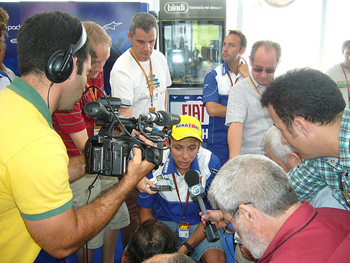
313,175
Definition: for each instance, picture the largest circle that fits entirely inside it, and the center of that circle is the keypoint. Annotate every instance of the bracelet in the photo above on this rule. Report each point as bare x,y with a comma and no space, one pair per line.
189,248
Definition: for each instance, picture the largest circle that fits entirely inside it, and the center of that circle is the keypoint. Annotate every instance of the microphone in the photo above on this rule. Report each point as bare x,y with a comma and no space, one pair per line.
161,118
197,194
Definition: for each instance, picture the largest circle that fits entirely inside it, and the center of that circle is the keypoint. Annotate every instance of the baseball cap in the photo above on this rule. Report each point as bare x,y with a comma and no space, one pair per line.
189,126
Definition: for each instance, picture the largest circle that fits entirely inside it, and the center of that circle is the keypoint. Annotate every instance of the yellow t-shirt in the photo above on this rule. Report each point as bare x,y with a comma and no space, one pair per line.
33,170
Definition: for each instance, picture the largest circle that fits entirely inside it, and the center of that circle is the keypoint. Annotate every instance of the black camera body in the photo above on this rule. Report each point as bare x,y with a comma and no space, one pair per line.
108,154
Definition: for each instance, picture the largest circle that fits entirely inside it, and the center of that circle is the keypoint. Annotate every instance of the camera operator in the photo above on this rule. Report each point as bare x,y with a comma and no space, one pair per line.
36,200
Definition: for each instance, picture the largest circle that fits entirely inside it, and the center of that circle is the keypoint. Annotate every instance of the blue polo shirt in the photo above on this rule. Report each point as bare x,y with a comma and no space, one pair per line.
166,205
217,85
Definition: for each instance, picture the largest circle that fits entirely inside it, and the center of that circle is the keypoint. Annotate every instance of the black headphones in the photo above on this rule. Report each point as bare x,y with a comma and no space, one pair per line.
60,65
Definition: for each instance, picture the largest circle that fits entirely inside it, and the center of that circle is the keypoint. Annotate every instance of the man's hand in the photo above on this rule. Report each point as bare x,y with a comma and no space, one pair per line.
215,216
246,253
244,68
137,169
143,188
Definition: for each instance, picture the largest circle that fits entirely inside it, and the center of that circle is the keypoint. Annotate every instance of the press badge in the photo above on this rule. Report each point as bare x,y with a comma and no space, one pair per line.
184,229
156,93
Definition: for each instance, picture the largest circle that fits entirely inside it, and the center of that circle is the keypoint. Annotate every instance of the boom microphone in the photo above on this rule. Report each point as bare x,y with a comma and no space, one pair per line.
161,118
197,194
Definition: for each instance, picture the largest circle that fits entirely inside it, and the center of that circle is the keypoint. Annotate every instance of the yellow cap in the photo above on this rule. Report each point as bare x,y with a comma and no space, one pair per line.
189,126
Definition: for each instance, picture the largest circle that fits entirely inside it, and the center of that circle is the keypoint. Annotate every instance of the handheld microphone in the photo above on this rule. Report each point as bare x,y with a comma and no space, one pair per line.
161,118
197,194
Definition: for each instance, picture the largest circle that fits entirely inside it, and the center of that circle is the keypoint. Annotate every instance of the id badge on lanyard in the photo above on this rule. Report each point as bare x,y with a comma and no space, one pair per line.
184,229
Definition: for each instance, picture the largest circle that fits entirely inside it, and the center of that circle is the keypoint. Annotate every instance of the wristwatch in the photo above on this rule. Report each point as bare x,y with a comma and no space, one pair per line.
189,248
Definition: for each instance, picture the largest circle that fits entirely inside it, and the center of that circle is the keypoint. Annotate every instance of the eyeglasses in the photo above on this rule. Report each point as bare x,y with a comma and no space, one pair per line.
231,231
267,70
227,222
237,210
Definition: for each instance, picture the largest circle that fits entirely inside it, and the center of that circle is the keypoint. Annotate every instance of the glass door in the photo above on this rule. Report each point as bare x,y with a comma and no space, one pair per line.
192,49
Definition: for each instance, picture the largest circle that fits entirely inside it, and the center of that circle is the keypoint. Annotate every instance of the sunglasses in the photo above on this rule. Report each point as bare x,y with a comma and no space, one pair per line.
267,70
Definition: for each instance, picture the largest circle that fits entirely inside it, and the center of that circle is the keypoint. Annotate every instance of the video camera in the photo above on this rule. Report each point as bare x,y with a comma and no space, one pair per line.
108,154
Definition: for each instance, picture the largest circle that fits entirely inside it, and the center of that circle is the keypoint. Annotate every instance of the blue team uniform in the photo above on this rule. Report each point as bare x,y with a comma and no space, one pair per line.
217,85
166,205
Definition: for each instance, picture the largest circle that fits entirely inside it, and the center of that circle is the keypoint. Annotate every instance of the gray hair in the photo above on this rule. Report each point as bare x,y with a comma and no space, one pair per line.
273,139
175,257
145,21
252,179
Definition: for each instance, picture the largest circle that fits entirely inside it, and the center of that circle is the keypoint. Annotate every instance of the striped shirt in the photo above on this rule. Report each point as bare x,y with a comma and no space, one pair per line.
244,106
66,122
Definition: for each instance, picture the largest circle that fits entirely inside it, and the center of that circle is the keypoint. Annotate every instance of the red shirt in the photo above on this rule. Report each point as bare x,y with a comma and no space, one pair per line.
66,122
312,235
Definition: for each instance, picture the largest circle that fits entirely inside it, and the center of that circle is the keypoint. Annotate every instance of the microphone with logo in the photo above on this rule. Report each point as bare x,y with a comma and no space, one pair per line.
197,194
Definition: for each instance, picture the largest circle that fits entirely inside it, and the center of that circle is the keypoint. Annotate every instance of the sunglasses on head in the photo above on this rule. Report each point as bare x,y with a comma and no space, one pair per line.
267,70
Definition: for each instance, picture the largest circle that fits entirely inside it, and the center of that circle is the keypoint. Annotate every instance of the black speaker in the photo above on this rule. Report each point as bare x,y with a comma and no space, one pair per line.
60,65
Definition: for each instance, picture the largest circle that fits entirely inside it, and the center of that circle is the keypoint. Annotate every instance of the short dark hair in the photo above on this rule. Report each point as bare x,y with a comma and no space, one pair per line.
268,45
345,45
306,93
145,21
151,238
43,34
243,43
